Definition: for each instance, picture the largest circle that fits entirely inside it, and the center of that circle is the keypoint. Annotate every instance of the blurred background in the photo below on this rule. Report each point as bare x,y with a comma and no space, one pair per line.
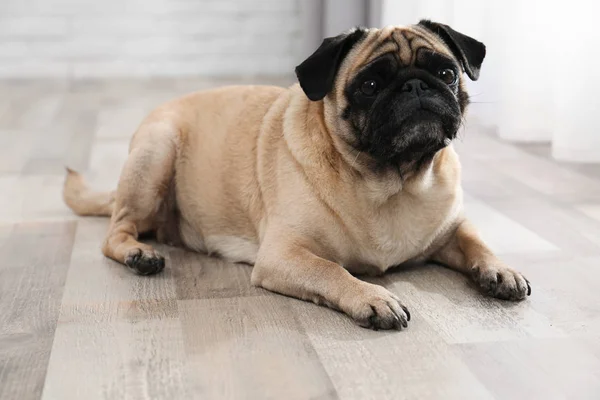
78,76
537,83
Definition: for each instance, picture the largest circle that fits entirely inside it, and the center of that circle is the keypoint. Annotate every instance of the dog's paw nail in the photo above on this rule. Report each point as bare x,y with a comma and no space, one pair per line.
407,313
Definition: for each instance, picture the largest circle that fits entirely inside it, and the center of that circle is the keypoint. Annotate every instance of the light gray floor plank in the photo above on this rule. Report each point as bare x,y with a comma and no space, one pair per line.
16,145
119,333
32,198
34,259
493,225
536,369
545,150
562,226
415,364
251,348
592,210
67,141
139,358
544,175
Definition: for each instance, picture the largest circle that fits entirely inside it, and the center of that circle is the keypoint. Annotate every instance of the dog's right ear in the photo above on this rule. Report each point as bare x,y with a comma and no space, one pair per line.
317,73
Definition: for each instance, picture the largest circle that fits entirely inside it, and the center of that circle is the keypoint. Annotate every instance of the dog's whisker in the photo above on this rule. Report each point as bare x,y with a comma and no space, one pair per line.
356,158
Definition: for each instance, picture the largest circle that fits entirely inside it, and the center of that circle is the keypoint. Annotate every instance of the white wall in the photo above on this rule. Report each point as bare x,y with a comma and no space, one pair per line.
104,38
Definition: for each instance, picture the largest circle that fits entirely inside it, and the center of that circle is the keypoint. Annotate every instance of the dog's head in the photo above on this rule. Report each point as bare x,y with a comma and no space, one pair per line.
397,93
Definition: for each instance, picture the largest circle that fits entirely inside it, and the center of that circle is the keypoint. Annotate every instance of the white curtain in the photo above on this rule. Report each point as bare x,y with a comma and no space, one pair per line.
541,77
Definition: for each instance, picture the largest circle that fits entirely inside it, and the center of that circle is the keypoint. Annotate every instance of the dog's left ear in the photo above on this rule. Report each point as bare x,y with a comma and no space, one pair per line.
317,73
469,51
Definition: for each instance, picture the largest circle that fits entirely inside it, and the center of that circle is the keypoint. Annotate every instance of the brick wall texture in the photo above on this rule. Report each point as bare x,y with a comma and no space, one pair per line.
145,38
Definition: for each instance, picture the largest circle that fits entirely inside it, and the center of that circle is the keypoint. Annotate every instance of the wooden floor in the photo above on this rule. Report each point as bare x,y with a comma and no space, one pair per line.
74,325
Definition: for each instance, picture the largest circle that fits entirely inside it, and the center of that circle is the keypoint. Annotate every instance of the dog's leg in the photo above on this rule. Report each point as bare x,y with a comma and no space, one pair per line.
295,271
466,252
142,189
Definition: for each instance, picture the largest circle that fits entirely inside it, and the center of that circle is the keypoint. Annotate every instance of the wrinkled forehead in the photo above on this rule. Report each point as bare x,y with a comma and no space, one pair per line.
403,42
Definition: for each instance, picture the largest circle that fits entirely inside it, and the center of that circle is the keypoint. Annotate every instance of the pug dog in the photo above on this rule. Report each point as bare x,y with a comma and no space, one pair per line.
351,171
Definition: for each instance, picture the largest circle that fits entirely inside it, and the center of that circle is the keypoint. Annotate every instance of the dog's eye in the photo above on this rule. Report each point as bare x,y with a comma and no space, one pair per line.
369,88
447,75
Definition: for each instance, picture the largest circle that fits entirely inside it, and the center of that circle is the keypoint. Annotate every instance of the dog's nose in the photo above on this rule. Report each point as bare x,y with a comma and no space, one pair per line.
415,86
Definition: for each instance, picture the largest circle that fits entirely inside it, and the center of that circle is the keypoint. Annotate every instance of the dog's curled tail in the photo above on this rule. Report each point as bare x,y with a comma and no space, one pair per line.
83,201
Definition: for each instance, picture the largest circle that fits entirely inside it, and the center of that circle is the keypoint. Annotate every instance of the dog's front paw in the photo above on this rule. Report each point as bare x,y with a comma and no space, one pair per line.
501,282
377,308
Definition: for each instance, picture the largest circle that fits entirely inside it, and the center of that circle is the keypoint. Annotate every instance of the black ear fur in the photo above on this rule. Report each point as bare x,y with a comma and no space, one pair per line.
317,73
468,50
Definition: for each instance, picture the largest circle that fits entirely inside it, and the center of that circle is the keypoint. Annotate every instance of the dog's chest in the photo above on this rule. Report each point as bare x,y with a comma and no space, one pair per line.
403,230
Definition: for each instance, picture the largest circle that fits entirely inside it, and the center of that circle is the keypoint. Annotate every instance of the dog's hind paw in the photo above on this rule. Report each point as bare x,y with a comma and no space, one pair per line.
144,262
